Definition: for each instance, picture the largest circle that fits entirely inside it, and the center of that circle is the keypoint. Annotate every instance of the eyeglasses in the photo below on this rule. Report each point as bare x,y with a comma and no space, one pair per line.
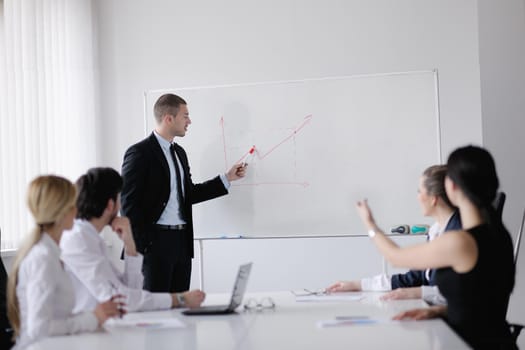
307,292
259,305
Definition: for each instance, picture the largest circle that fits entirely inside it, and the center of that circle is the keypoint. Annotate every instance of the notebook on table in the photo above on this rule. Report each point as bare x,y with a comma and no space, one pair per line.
239,287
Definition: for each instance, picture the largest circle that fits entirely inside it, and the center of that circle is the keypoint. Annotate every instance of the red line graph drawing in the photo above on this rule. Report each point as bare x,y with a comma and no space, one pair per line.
262,155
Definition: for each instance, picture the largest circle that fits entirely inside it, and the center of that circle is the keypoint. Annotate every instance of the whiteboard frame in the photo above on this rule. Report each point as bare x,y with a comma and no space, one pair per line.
200,240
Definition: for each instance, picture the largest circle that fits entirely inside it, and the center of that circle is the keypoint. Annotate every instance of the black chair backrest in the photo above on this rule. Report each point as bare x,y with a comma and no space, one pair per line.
499,202
6,333
518,239
515,328
3,292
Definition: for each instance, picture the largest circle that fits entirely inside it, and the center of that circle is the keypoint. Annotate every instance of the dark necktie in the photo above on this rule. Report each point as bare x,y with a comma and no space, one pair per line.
179,183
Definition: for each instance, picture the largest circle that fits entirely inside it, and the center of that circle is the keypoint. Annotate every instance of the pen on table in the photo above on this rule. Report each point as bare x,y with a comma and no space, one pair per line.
348,322
315,292
347,318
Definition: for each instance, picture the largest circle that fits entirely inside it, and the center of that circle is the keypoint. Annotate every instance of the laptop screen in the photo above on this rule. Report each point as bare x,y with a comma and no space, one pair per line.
239,286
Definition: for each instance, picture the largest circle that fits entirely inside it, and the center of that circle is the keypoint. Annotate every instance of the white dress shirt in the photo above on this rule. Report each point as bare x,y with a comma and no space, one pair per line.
46,297
96,279
430,294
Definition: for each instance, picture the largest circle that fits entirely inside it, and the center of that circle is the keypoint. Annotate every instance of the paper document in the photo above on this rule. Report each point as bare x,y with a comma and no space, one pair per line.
330,297
144,323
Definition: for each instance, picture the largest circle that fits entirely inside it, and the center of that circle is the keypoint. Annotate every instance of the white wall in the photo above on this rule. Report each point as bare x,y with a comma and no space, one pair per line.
164,44
502,61
168,44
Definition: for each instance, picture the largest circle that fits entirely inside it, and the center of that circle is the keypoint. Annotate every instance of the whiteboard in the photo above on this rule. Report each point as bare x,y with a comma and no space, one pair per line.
321,144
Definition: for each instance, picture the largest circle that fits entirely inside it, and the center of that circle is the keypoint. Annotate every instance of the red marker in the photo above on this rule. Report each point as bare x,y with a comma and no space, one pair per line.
250,155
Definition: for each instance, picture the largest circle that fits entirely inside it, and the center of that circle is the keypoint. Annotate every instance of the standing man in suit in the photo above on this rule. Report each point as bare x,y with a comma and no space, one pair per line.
158,194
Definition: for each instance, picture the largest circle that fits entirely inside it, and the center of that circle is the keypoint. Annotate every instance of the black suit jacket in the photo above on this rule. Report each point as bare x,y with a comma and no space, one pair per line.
416,278
146,189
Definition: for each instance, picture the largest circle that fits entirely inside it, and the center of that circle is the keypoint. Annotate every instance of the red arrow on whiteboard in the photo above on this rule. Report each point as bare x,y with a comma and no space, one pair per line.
260,156
306,120
255,152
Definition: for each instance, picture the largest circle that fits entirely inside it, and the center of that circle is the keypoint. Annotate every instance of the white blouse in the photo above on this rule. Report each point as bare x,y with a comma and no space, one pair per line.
46,296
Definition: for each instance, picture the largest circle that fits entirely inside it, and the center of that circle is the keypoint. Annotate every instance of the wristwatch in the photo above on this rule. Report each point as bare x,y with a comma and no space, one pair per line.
371,233
180,299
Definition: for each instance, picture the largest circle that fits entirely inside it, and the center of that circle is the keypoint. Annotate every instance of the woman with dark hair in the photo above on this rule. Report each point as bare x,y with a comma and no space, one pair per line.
468,260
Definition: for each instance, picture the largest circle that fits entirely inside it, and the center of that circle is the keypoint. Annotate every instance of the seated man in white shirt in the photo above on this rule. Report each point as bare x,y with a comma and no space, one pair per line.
85,256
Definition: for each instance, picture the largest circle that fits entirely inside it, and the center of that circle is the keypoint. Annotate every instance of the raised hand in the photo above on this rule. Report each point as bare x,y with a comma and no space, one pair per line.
365,213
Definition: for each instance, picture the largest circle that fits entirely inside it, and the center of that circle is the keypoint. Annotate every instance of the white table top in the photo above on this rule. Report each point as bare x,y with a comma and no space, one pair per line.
291,325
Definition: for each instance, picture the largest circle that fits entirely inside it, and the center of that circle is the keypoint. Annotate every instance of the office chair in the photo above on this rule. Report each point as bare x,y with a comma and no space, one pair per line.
6,333
515,329
499,202
518,239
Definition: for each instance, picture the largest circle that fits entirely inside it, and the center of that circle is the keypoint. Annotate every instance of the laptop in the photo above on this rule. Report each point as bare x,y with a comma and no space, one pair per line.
239,288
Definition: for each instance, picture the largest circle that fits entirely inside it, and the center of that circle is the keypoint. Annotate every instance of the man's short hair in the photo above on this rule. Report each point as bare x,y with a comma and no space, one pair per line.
95,189
167,104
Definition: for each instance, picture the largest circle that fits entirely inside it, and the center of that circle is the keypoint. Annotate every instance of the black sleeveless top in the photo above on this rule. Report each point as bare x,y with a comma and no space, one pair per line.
478,300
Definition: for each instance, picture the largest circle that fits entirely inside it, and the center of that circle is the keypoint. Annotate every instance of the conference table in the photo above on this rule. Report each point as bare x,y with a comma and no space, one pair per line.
291,324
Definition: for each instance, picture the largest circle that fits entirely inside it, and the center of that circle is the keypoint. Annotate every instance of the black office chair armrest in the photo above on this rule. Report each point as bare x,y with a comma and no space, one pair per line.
515,330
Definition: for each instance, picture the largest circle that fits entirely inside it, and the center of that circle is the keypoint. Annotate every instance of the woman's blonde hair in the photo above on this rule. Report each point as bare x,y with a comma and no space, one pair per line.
49,198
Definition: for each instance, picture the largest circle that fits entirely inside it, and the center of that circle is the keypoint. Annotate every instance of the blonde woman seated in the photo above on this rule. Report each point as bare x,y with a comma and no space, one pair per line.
416,284
40,293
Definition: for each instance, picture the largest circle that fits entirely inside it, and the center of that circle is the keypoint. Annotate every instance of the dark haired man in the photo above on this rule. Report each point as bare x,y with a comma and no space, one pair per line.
158,195
84,253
